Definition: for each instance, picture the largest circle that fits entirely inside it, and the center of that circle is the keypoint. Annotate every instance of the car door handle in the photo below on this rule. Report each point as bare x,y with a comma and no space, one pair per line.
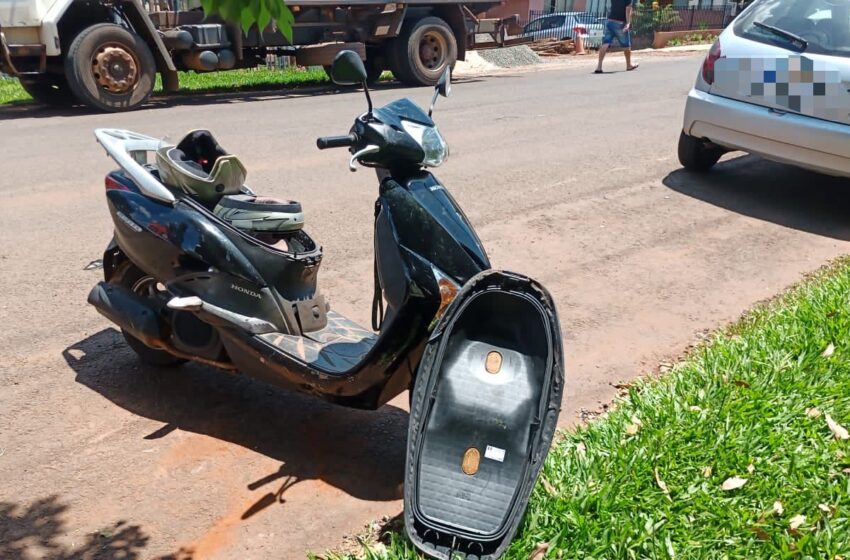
777,112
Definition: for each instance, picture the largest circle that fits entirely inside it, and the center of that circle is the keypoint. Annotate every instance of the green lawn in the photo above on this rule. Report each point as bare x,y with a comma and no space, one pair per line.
756,403
237,80
192,82
12,92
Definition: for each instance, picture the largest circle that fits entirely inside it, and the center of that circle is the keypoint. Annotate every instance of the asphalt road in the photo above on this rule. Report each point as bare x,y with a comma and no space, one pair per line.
568,177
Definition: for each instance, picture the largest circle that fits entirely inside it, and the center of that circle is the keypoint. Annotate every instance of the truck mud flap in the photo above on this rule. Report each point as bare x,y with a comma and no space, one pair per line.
483,414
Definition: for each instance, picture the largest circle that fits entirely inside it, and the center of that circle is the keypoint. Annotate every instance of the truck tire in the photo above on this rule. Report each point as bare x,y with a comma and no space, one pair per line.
109,68
49,89
375,64
423,50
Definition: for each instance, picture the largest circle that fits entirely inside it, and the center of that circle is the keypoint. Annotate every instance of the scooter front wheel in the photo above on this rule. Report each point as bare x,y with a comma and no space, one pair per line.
141,283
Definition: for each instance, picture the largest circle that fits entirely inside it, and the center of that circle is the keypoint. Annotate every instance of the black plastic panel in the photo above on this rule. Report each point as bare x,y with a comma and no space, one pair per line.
486,402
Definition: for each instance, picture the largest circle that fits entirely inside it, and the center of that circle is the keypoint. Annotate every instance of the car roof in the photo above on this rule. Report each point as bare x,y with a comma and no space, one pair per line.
561,14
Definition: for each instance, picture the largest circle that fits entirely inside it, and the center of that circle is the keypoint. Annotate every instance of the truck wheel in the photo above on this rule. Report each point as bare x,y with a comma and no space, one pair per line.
694,155
49,89
375,65
423,50
109,68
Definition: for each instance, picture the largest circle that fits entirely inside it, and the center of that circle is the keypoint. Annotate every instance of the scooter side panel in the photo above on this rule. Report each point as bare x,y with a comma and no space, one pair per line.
429,223
485,407
177,246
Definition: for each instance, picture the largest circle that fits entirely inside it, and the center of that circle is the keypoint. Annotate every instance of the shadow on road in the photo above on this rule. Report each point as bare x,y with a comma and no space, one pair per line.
37,111
777,193
36,531
359,452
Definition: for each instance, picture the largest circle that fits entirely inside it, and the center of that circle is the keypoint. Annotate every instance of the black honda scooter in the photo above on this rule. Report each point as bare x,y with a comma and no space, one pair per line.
479,349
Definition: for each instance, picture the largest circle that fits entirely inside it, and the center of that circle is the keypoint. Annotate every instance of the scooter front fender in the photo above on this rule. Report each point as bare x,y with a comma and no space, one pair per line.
484,410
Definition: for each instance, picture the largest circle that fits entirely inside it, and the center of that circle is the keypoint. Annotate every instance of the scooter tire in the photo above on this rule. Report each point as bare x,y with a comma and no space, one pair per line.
130,276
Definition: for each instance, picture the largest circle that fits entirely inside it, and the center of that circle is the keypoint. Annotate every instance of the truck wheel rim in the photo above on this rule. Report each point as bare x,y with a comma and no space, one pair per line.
115,68
432,50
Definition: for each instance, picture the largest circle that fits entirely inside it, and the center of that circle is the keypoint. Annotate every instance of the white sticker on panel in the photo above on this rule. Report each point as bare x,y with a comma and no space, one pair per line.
495,453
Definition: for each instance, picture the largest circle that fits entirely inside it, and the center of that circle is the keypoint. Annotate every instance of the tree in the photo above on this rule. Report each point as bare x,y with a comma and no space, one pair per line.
248,13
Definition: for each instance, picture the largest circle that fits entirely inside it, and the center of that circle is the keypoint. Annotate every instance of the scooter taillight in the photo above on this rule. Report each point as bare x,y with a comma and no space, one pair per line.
113,184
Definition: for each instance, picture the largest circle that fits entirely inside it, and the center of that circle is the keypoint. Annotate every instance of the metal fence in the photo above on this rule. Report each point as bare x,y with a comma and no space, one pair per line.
564,18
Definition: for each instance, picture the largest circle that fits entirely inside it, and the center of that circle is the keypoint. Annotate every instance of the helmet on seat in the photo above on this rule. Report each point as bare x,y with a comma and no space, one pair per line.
260,215
199,166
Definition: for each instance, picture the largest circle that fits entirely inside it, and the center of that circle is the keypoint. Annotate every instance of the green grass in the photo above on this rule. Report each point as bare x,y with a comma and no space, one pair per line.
239,80
192,82
736,407
12,92
693,39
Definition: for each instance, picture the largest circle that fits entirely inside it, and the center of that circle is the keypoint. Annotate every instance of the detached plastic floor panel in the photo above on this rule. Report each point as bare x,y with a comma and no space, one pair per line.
485,406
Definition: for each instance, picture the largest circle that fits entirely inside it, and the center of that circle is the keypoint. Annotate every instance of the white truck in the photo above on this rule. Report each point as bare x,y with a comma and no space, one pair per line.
105,53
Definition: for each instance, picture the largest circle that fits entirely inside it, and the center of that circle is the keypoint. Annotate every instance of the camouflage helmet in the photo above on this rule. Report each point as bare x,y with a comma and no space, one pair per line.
260,214
200,167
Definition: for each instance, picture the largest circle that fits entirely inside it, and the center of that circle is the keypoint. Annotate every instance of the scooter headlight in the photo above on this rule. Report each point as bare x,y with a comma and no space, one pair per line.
432,143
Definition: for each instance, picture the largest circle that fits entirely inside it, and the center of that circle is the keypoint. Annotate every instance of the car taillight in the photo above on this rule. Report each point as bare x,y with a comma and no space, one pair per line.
711,59
113,184
580,30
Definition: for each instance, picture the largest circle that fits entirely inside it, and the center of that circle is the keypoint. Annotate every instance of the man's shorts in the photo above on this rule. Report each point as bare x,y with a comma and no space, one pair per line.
614,29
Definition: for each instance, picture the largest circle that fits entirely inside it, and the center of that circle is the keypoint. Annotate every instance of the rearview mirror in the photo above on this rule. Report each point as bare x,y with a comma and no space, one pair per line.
443,87
444,84
347,69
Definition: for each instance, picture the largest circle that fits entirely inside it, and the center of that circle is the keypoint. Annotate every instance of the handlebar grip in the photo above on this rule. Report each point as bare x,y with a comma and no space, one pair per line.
326,142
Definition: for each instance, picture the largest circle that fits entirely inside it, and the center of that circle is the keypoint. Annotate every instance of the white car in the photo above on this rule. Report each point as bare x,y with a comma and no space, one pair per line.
566,25
776,84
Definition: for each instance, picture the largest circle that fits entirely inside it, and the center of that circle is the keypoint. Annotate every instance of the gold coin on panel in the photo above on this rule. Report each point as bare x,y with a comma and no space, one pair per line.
471,460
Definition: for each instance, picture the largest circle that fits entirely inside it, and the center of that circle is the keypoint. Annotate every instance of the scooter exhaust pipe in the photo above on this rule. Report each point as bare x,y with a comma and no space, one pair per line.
129,311
135,316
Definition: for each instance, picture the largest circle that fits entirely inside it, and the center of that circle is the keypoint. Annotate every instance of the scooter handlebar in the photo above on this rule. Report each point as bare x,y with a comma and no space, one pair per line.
326,142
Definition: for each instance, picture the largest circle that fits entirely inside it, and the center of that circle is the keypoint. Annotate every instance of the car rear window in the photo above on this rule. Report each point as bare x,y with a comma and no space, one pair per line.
557,21
823,24
544,23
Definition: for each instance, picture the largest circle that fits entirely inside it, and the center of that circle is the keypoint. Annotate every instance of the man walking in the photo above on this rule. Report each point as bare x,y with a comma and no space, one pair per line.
618,25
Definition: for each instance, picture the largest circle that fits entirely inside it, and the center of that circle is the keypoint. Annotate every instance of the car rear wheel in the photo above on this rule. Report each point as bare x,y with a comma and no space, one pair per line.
696,155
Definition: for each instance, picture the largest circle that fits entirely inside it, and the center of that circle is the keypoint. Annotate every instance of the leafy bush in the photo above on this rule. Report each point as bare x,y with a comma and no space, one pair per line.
692,39
646,21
